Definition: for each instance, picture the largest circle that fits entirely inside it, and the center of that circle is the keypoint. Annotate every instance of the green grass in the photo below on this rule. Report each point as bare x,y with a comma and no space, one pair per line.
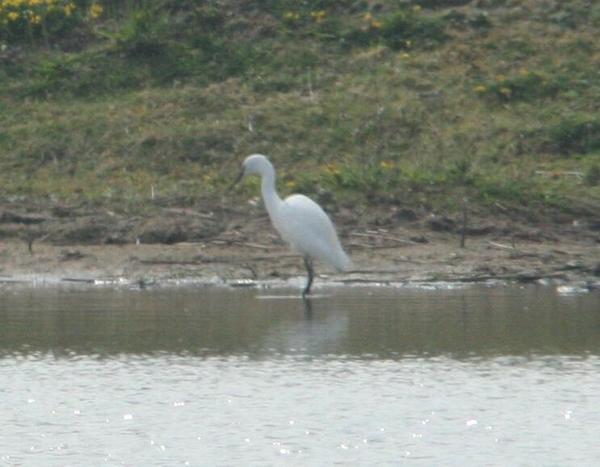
412,102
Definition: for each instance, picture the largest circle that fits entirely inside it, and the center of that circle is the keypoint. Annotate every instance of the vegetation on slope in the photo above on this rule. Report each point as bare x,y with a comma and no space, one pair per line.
403,102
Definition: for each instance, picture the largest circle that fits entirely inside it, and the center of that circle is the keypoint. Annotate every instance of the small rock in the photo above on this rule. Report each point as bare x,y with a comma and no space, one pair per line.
71,255
574,264
419,239
406,214
441,223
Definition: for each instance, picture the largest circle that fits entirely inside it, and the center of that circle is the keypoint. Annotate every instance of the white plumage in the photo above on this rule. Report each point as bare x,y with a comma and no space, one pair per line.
299,220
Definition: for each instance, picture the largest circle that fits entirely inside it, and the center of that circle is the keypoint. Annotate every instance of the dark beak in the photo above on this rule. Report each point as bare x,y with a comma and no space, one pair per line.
237,180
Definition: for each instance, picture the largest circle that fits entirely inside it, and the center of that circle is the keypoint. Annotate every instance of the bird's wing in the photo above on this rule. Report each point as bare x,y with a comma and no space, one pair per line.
308,229
307,218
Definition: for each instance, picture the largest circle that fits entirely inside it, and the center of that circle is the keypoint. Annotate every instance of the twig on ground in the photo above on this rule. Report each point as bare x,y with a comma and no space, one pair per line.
383,237
230,241
501,245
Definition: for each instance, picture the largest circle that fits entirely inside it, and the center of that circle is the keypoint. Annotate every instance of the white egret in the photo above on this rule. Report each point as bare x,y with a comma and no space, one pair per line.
300,221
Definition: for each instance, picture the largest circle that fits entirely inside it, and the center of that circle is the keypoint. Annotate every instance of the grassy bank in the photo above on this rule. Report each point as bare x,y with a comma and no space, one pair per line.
406,102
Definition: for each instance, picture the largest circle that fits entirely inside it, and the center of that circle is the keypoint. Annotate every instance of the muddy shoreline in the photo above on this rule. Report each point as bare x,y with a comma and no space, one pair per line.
238,247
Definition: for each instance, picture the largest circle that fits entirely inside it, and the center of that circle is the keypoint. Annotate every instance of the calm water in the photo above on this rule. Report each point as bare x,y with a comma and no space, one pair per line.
501,376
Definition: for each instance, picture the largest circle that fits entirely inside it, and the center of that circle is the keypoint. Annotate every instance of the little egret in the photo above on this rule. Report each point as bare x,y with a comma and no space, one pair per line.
299,220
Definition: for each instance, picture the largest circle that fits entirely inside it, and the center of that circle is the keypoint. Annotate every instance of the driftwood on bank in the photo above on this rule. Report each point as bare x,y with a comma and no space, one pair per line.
521,277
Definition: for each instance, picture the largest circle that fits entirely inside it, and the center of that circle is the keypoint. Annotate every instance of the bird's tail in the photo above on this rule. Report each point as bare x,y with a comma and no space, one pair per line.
343,262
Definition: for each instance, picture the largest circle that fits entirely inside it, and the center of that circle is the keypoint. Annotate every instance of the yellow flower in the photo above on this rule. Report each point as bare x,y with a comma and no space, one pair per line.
332,169
96,10
291,184
291,16
373,23
405,55
505,91
387,164
13,16
318,16
480,89
36,19
69,8
416,8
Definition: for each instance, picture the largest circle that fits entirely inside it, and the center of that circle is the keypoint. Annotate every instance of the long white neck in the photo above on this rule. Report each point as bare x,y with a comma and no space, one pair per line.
269,193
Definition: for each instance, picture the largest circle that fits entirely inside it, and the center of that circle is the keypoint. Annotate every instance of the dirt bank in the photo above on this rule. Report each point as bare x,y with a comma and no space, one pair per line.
237,245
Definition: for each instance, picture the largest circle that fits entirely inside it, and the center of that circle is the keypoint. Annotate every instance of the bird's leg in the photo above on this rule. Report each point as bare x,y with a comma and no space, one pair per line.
311,275
307,307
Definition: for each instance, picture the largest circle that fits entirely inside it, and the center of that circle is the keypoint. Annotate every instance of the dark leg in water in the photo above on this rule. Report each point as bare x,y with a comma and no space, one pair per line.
311,275
307,307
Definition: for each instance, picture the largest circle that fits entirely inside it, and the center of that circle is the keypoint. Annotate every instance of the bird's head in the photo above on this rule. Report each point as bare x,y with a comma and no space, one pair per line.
255,164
